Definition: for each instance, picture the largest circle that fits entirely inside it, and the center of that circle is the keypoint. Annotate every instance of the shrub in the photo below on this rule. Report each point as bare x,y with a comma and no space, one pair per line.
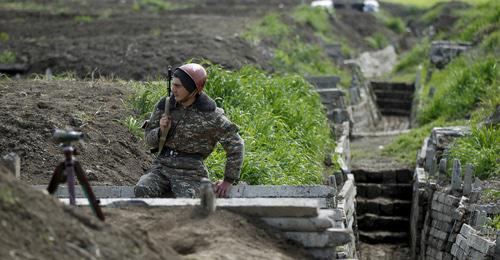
395,24
281,120
477,22
481,149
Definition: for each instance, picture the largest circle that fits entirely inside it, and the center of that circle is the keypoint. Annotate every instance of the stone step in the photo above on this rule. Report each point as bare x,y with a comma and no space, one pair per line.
314,224
371,222
392,86
387,176
391,190
402,95
394,112
387,103
376,237
383,207
324,194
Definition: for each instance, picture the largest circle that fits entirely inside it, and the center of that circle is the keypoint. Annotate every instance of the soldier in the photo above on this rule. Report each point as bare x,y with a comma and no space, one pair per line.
193,125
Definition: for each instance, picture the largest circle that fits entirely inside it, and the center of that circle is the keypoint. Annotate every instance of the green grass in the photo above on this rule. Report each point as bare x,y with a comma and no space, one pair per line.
83,19
315,17
377,41
54,8
405,146
396,24
153,5
270,26
4,36
7,57
295,56
281,120
292,55
477,22
481,149
417,55
461,87
429,3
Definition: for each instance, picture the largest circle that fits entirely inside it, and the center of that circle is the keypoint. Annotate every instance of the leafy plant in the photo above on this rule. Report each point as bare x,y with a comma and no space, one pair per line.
134,126
7,57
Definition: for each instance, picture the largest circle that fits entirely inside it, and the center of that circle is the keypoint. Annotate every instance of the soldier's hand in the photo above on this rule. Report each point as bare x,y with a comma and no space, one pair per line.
222,189
165,123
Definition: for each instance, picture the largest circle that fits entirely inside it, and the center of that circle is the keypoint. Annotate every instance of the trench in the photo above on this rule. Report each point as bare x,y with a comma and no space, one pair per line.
383,184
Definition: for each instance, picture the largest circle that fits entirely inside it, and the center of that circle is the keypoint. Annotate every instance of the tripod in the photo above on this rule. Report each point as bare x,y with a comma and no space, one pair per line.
69,168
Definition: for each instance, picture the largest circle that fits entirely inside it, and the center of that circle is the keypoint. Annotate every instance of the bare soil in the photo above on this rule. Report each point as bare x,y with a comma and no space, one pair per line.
37,226
31,110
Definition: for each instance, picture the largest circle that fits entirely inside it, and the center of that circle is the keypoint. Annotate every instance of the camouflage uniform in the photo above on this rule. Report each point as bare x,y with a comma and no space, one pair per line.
194,133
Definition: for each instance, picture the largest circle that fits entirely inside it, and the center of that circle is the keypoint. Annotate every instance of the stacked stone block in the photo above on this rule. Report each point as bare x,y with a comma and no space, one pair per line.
448,206
469,245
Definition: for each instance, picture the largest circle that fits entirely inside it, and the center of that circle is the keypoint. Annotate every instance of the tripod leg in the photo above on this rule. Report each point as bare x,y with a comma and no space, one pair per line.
57,177
93,202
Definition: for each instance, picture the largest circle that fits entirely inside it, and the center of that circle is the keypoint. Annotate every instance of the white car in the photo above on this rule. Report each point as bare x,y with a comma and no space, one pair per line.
370,6
323,3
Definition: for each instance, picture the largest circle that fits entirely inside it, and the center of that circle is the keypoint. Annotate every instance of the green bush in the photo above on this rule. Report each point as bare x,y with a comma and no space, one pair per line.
281,120
460,87
481,149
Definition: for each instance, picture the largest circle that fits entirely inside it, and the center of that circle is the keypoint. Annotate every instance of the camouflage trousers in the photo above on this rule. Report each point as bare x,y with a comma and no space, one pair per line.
172,177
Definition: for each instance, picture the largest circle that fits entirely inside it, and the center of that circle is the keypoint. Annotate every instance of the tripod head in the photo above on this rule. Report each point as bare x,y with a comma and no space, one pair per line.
66,137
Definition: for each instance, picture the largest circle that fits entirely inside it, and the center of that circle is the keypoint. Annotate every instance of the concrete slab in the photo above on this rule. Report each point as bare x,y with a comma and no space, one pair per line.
317,224
282,207
281,191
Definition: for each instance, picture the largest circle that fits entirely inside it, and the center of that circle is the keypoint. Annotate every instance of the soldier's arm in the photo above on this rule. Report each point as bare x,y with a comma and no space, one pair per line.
233,144
152,131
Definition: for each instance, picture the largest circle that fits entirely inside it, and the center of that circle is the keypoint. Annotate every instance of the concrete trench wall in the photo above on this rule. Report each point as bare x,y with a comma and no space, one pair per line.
446,220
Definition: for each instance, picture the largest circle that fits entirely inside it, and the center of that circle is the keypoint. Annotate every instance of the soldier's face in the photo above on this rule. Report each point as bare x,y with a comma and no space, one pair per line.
178,89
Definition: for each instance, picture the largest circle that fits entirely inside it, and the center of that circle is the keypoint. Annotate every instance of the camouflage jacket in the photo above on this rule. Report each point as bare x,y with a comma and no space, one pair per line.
197,129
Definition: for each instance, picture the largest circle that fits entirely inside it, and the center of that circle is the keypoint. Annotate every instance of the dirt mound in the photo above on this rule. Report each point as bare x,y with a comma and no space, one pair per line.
31,109
36,226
